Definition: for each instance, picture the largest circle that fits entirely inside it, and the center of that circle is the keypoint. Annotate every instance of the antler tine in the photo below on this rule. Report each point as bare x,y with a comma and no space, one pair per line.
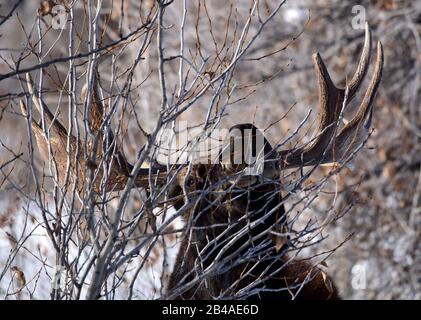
96,109
121,168
59,138
325,146
355,131
35,126
23,109
38,133
367,103
43,109
362,67
96,119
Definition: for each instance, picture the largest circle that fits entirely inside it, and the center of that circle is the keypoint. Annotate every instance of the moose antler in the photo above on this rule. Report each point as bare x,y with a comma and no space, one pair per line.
328,146
54,139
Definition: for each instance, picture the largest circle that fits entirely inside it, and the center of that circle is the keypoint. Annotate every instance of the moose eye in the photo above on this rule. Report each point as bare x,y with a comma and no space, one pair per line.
190,181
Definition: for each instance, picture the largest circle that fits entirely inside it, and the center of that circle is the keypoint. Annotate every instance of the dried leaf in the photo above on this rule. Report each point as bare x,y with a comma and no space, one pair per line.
327,282
46,7
279,241
19,276
11,238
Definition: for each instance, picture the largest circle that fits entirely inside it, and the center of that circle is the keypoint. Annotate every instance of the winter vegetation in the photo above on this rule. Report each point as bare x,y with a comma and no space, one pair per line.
114,118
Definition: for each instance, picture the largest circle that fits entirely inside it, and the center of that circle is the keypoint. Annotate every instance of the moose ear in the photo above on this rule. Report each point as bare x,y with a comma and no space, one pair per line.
249,157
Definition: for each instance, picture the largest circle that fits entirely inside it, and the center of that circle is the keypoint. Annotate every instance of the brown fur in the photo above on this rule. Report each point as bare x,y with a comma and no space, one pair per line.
224,205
